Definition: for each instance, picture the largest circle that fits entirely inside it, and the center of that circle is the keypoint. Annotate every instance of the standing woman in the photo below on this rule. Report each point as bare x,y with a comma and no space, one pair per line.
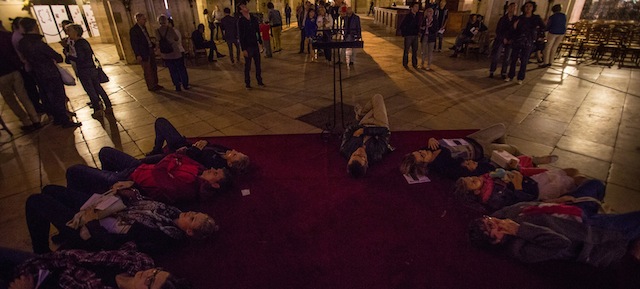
325,23
524,36
557,27
172,57
428,32
88,74
287,14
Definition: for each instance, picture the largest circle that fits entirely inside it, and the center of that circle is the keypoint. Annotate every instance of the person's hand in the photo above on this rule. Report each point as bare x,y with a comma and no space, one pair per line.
22,282
245,53
509,227
358,132
200,144
122,184
139,59
433,144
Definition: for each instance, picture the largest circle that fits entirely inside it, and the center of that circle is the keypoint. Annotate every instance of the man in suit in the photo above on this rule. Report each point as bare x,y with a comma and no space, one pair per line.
143,49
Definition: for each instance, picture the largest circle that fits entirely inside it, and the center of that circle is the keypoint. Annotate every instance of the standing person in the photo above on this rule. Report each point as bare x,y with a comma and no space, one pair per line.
171,54
250,42
325,22
310,30
287,14
557,26
88,74
38,98
217,17
524,36
42,59
210,21
442,17
352,32
370,8
265,29
502,41
12,86
143,49
230,26
301,14
275,20
409,28
200,43
428,31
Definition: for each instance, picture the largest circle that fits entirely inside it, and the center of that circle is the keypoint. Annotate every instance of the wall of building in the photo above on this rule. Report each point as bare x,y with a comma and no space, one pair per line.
11,9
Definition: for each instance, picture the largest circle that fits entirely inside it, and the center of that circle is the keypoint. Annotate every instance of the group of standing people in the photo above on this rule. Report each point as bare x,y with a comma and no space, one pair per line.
426,32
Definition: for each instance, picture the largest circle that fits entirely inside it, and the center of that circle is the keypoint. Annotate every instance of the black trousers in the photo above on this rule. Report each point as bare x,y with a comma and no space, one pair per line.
53,88
253,53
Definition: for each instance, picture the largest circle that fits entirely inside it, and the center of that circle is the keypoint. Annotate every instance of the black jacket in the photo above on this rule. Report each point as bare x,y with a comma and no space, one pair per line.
139,42
9,61
84,55
248,31
40,56
410,26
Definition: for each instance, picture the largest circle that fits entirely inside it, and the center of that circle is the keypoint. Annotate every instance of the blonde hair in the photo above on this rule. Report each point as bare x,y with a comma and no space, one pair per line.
411,167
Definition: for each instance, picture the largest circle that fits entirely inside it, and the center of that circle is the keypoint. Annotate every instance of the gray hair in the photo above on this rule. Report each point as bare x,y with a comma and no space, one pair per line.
162,19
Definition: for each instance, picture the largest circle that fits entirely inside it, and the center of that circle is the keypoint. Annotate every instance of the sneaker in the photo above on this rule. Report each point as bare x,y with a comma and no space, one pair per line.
507,79
549,159
519,82
27,128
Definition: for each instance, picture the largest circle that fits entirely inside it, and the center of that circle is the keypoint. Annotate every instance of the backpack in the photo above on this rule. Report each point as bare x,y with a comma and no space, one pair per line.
165,45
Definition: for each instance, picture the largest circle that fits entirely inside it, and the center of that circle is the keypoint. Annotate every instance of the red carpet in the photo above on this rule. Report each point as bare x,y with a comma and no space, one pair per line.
306,224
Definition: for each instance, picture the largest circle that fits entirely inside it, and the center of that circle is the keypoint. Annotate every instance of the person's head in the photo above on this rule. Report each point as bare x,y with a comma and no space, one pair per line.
358,163
205,12
157,278
529,7
556,8
472,184
141,19
227,11
215,177
479,17
511,9
196,225
429,12
486,231
349,11
28,25
163,20
470,165
443,3
201,28
171,24
64,25
15,24
270,5
415,6
311,14
322,11
237,161
473,18
242,7
74,31
415,163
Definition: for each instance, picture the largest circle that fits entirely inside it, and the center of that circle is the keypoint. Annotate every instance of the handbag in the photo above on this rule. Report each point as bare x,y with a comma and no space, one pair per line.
101,75
67,78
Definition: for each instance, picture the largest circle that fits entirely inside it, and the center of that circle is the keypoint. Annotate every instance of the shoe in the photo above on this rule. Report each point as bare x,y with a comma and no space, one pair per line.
178,88
503,76
519,82
452,48
27,128
261,84
156,88
97,114
71,124
545,159
71,113
247,87
187,87
490,74
427,69
212,60
219,55
507,79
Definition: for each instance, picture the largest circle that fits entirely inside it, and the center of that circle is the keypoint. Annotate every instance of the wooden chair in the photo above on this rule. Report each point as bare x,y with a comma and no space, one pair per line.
195,52
478,44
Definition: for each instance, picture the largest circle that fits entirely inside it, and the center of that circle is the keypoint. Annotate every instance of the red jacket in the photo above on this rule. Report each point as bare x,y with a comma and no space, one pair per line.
174,179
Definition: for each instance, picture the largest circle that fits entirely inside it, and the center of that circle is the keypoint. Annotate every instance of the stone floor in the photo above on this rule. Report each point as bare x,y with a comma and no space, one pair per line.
587,114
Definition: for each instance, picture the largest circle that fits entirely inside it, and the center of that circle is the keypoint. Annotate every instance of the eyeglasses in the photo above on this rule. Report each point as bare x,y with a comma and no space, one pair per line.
149,281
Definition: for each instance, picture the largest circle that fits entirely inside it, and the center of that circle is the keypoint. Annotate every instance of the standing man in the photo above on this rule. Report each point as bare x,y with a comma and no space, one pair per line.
230,33
250,42
370,8
505,25
442,16
410,27
301,15
352,31
38,98
275,20
143,49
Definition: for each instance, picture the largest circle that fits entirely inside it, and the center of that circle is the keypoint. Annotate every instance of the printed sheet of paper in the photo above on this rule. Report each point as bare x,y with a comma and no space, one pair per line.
420,179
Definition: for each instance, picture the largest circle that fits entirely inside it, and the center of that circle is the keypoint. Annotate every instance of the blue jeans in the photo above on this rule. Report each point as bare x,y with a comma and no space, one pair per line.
495,57
116,166
591,188
410,41
55,205
165,131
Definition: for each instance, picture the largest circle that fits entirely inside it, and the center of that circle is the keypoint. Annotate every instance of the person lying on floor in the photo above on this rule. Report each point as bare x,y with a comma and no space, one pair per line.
176,178
451,157
532,232
124,268
209,155
367,141
501,188
153,226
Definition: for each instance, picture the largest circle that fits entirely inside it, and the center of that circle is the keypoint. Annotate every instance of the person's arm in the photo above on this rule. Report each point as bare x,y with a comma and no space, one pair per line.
48,51
538,243
83,52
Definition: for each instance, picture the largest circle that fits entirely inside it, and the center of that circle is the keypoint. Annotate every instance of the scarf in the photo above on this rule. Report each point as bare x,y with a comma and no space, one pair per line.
154,215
